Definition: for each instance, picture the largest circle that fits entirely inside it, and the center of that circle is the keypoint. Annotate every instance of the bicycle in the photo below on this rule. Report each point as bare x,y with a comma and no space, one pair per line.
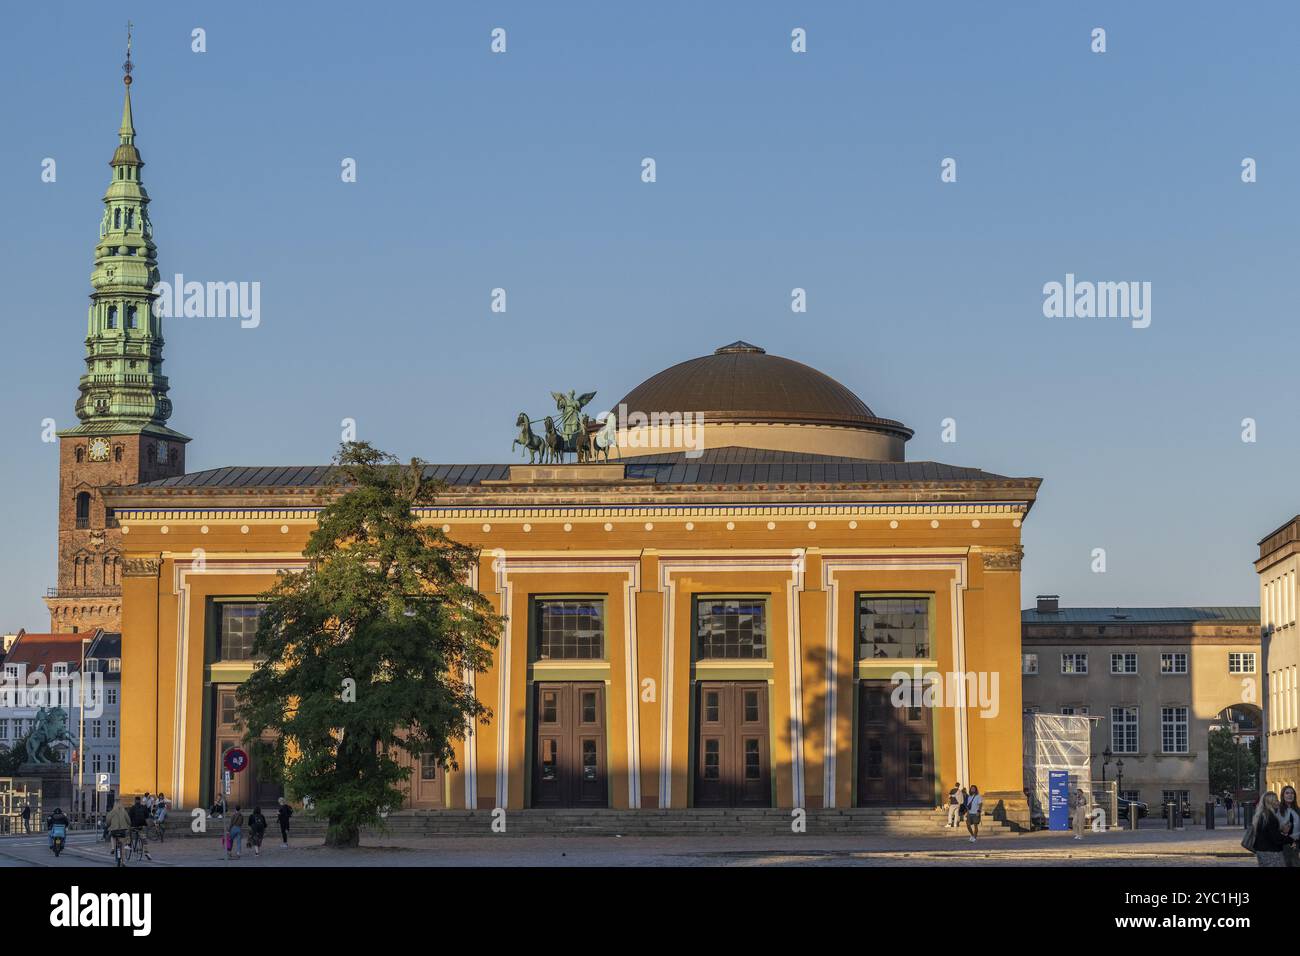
156,830
137,845
118,837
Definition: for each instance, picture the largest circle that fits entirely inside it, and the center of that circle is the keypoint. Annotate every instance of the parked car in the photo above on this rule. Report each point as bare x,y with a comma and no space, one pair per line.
1123,808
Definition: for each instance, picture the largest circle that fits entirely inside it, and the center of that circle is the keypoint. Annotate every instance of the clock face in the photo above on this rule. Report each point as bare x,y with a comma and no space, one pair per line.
162,451
99,449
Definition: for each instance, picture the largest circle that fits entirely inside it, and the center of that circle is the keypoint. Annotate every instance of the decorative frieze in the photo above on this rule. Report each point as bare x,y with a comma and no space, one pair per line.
142,567
1003,559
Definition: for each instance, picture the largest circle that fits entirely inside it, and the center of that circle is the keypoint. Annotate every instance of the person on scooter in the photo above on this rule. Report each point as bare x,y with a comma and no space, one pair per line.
57,824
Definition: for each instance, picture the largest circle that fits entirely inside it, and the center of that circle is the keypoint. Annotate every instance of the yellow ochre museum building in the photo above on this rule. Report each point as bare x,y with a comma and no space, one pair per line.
711,625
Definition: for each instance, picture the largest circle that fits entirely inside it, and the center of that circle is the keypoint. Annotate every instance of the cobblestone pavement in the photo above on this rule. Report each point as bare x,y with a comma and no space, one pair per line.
1193,848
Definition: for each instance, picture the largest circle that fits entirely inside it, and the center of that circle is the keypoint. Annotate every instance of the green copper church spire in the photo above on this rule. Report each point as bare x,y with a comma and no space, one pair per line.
123,390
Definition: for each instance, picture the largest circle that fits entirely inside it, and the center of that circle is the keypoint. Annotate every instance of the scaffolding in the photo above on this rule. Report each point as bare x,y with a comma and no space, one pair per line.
1063,742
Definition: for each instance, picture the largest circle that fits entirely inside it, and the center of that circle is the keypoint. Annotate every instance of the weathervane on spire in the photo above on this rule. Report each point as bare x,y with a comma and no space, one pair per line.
127,67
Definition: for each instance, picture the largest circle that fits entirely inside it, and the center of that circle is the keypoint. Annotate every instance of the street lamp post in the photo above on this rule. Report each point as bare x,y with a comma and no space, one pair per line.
81,729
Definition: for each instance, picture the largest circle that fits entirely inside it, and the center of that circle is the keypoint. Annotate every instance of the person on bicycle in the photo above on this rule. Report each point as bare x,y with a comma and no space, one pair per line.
119,821
56,819
160,813
139,816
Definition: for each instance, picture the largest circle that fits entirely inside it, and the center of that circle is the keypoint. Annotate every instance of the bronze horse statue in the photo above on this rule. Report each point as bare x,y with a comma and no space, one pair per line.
532,443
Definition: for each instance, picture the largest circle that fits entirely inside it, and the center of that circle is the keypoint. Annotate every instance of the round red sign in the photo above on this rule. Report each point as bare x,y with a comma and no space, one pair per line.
235,760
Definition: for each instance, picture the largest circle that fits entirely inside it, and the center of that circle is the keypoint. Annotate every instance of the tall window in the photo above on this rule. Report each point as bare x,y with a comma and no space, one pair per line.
83,509
893,627
1125,663
1029,663
1074,663
237,630
1173,730
1173,663
570,629
1124,730
1241,662
130,317
730,628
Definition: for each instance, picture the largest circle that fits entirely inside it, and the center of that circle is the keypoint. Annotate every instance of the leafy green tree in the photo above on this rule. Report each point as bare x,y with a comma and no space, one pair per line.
365,649
1232,764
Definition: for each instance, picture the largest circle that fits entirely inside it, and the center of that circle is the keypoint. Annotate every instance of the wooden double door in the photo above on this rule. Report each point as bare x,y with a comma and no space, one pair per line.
895,749
733,765
569,745
247,788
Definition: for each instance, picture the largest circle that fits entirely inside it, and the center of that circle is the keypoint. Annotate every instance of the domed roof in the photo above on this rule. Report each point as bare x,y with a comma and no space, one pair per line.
740,382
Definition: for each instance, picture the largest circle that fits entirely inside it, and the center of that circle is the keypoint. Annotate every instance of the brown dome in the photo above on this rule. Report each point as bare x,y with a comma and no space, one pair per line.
742,383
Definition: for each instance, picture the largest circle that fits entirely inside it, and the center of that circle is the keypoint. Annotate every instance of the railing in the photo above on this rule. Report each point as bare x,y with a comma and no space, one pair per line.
75,592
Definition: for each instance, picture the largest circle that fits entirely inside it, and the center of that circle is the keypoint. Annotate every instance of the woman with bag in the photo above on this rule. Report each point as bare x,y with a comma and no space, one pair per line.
1264,838
1290,815
974,807
1079,802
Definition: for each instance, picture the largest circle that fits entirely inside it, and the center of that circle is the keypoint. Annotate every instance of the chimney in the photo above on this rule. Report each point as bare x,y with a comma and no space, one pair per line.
1049,603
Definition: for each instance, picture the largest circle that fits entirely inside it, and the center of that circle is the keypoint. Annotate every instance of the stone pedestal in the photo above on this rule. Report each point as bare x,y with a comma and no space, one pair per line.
56,787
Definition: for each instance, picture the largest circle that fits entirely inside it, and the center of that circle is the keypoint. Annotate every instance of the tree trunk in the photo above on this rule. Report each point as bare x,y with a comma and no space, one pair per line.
339,834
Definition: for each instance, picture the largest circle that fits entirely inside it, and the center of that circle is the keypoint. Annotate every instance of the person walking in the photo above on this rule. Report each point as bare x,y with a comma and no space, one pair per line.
955,797
1290,816
974,807
256,830
284,813
235,828
1079,807
1265,838
27,817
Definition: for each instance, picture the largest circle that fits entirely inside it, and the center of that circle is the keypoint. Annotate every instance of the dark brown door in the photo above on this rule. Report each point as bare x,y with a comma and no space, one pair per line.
732,759
569,745
247,789
895,750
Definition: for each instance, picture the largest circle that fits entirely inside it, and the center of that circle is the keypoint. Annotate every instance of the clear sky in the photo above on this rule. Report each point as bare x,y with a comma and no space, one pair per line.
775,170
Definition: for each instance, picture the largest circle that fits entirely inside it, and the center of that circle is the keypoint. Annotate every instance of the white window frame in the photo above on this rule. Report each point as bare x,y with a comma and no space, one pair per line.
1170,724
1243,657
1075,658
1127,717
1028,664
1122,658
1173,659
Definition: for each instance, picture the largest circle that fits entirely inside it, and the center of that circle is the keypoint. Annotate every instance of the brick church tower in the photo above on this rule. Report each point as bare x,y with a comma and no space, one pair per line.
123,409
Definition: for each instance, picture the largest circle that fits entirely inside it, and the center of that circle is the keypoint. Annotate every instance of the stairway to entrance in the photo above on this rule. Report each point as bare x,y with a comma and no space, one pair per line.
864,821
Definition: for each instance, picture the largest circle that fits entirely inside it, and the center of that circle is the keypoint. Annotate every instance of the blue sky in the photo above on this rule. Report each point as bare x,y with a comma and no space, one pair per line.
775,171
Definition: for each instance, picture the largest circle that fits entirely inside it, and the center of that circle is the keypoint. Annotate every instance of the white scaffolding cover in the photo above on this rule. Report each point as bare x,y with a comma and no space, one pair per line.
1055,742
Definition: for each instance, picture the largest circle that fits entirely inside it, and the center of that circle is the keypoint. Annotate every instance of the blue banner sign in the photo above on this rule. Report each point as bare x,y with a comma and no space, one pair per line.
1058,800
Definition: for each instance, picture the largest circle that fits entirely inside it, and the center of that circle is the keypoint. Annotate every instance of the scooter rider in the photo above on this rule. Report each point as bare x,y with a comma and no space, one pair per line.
57,819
